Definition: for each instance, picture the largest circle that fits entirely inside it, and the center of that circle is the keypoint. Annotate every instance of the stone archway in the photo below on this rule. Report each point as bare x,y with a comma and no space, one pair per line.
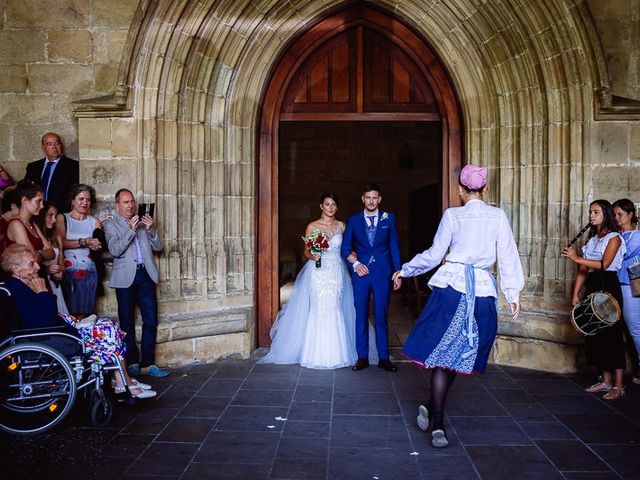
306,63
182,129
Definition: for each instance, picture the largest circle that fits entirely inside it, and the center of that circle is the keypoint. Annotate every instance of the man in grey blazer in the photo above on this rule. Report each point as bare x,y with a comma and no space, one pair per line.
132,241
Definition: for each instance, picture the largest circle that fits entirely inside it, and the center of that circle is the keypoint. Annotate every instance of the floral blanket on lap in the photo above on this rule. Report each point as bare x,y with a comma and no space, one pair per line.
103,339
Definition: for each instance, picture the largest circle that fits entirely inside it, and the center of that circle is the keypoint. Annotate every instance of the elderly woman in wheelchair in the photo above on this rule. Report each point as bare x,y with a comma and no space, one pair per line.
35,364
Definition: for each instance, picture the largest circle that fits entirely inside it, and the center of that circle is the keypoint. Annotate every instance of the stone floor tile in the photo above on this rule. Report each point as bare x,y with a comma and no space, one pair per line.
255,419
299,469
220,387
307,429
511,396
369,431
581,458
303,447
187,430
582,403
581,475
357,463
265,398
361,403
309,376
209,471
313,393
602,428
310,411
534,412
489,431
623,459
151,420
507,462
163,459
474,403
547,430
458,467
244,448
205,407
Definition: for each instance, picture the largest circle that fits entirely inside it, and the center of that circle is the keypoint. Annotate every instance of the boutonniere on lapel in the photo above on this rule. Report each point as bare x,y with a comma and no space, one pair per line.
384,216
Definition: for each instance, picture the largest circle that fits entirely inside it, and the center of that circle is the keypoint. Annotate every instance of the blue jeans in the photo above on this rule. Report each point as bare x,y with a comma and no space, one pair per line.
142,292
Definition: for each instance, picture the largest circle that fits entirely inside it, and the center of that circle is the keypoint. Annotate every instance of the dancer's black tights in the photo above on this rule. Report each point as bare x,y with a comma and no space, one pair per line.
441,381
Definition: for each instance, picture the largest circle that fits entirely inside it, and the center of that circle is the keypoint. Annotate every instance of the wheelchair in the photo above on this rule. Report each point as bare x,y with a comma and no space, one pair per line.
42,373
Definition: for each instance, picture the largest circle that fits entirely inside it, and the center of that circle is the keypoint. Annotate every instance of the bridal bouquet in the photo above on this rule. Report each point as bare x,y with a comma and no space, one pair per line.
316,242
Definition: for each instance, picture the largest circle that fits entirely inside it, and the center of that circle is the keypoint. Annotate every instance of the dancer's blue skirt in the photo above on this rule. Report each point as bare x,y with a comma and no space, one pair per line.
439,337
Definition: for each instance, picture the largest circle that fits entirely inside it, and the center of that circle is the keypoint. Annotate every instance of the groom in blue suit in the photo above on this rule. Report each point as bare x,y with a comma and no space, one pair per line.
373,237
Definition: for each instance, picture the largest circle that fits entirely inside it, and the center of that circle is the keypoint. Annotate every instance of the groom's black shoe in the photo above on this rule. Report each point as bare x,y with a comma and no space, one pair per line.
361,364
387,365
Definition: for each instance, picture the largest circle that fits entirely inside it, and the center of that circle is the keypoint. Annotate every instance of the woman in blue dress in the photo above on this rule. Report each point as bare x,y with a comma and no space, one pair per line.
455,332
624,212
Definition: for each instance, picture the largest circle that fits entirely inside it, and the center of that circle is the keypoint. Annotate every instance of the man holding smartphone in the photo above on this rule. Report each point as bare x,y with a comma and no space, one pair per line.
132,240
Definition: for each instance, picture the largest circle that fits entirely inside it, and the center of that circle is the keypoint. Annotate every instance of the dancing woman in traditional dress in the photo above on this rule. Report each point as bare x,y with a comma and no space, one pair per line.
455,332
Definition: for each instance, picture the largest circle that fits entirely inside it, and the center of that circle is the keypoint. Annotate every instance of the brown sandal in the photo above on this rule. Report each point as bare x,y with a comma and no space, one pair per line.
614,394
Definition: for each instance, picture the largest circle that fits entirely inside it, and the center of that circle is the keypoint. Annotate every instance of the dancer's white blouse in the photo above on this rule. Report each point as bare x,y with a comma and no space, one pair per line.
475,234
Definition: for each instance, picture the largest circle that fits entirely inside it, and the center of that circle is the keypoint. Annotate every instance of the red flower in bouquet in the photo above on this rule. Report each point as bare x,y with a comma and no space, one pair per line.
316,242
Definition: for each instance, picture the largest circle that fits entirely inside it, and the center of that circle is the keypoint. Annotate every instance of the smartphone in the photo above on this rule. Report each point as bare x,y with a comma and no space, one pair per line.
146,209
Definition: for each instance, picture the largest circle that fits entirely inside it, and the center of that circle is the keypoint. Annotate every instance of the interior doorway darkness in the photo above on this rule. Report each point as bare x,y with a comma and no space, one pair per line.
404,158
357,97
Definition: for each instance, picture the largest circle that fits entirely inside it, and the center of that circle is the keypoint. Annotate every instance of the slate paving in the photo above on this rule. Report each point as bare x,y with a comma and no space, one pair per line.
236,419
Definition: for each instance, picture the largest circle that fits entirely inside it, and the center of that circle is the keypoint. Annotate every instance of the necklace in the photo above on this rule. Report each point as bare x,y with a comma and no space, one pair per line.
27,224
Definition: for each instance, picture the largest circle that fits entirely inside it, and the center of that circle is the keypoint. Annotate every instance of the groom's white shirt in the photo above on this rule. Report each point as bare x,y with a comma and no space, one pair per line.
375,219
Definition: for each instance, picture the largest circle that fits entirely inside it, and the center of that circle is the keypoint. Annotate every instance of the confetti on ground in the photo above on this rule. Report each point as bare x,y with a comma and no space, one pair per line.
414,453
271,426
281,419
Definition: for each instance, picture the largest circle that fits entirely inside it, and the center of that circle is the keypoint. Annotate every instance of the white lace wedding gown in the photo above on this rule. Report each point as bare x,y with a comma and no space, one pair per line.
316,328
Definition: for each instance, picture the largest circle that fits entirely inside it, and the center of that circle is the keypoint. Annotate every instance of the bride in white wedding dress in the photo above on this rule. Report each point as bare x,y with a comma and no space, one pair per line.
316,327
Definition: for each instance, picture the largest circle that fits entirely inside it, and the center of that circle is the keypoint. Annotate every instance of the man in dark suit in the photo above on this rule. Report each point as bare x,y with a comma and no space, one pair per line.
55,172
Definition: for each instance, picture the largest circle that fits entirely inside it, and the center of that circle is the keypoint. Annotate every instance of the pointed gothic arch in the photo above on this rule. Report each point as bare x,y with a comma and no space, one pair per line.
357,64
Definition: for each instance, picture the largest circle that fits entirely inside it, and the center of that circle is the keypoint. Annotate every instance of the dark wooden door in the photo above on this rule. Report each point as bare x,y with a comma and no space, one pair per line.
360,64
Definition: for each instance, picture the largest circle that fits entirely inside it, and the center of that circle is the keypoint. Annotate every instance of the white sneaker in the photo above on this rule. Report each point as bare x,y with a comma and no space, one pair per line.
423,418
134,382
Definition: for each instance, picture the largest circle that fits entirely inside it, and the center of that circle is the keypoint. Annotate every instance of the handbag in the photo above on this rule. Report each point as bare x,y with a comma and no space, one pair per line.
634,277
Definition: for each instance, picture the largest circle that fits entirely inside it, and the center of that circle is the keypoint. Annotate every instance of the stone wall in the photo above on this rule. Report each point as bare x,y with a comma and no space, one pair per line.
170,109
54,52
618,26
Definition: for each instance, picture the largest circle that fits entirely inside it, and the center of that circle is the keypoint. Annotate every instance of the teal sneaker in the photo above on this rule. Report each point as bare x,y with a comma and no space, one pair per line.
133,369
154,371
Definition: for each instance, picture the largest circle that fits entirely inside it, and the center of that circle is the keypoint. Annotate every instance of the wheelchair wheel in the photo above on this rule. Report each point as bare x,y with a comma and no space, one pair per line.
37,388
101,409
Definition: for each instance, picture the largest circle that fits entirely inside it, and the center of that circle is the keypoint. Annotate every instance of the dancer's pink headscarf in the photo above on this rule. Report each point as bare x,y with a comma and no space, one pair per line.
473,177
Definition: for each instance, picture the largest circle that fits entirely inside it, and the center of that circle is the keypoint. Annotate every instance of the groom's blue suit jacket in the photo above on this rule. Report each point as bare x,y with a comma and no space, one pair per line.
382,259
383,256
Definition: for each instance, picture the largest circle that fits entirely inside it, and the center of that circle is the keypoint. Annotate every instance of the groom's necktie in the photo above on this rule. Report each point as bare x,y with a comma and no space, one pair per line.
371,229
46,175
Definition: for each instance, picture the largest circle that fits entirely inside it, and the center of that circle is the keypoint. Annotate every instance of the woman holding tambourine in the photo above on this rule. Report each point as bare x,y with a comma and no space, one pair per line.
597,271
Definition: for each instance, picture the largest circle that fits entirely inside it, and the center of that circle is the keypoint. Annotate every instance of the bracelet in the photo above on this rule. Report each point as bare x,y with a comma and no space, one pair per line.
79,242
